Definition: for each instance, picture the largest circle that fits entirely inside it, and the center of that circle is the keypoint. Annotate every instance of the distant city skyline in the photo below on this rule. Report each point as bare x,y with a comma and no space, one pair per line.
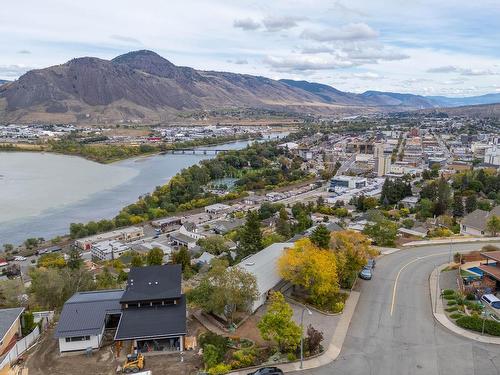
423,47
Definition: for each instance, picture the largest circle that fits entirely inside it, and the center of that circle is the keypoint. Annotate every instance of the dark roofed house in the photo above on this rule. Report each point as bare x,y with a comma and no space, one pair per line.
150,313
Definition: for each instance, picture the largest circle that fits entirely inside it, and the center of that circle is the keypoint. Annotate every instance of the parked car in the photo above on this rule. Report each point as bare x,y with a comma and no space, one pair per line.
366,274
371,263
267,371
19,259
491,300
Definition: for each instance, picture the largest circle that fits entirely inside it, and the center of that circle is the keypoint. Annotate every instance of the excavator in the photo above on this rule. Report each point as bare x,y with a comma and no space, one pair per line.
135,363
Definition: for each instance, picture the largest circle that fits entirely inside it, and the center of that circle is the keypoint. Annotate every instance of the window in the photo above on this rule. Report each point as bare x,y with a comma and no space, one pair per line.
78,338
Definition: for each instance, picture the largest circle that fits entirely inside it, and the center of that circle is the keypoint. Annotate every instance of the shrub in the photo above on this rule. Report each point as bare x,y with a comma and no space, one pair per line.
243,358
449,296
475,323
338,307
219,369
470,297
291,357
313,340
452,309
456,316
216,345
447,292
452,303
211,356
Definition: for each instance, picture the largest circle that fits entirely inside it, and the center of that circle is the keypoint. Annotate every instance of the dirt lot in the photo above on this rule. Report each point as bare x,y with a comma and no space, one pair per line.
44,359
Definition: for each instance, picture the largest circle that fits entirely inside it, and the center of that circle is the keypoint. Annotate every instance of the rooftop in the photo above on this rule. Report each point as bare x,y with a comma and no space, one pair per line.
8,318
153,283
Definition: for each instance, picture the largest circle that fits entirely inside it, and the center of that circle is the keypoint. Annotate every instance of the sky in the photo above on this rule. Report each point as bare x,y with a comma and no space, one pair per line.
427,47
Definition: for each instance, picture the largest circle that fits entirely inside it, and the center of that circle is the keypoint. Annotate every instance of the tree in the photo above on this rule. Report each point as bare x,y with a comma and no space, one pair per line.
137,260
283,225
312,268
321,236
75,261
105,280
183,258
51,260
12,270
443,197
493,225
352,250
210,356
313,339
11,292
215,245
8,247
425,208
458,206
471,203
382,232
251,236
224,290
277,324
155,257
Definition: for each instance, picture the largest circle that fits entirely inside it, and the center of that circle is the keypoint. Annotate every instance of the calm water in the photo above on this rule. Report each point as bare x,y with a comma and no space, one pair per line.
41,194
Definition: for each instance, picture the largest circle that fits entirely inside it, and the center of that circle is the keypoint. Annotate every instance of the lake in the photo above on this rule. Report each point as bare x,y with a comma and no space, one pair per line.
42,193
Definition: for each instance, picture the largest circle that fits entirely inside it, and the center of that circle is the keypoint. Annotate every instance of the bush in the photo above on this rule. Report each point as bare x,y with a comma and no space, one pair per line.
447,292
452,303
243,358
219,369
475,323
456,316
216,345
452,309
291,357
338,307
449,296
470,297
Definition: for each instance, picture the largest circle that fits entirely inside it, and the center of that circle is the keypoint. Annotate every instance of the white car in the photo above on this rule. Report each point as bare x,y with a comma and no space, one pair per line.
19,259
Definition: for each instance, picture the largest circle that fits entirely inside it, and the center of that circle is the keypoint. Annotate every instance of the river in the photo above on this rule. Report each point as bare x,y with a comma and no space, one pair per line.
42,193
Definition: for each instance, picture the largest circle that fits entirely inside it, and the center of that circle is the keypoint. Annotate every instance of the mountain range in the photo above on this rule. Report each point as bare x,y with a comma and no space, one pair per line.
143,87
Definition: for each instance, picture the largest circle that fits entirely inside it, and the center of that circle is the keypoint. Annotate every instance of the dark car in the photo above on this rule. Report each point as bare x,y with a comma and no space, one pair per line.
267,371
366,273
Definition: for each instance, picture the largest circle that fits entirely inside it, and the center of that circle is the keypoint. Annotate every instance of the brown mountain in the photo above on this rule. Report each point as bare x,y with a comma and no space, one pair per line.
143,87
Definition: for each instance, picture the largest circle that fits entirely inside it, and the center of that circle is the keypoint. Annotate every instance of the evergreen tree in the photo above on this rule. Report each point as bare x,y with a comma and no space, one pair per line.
251,235
470,203
283,225
443,197
458,206
183,258
75,260
321,236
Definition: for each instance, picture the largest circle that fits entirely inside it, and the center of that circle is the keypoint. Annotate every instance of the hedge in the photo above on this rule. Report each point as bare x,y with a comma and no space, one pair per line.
456,315
475,323
449,296
452,309
447,292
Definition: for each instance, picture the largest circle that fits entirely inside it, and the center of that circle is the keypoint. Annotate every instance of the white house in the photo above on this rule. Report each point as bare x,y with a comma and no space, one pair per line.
107,250
264,266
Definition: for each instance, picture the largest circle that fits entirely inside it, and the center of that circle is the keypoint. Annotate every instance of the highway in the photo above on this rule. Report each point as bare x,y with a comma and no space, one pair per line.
393,330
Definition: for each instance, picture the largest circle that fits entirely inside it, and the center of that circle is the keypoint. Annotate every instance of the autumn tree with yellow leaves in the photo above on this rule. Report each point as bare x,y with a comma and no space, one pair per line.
313,268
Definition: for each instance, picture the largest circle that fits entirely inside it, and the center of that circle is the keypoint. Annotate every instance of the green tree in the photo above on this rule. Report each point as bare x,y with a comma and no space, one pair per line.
210,356
471,203
458,206
321,236
51,260
7,247
183,258
75,261
283,225
277,324
251,236
10,292
224,290
443,197
493,225
215,245
425,208
155,257
383,232
106,280
137,260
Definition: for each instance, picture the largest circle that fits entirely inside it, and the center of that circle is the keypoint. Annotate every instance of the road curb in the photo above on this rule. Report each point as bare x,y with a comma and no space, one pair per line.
333,350
452,241
440,315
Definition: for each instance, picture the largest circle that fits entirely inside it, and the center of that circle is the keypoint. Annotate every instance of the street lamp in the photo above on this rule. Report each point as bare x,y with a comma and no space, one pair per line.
302,334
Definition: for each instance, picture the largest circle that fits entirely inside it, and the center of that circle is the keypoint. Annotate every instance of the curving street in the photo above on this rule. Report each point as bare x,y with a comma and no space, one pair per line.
409,341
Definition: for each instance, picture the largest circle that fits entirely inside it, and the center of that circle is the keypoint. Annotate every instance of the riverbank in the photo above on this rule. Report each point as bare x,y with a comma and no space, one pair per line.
107,153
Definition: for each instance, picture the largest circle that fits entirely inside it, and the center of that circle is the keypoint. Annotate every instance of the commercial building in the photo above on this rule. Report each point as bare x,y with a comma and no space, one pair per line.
492,155
123,235
347,182
168,224
107,250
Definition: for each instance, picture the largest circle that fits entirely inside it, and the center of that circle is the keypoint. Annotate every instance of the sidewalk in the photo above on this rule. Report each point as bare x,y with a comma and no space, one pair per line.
447,241
386,250
333,350
440,315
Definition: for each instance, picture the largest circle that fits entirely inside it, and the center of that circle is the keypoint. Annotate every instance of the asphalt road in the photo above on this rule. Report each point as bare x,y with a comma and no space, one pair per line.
409,341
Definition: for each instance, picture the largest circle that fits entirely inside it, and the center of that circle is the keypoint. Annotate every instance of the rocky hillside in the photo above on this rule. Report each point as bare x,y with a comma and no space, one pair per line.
143,87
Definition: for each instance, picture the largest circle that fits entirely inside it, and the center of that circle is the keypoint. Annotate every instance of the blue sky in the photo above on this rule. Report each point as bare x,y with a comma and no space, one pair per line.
426,47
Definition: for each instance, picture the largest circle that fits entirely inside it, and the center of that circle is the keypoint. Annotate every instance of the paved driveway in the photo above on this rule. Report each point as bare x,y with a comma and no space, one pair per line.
409,341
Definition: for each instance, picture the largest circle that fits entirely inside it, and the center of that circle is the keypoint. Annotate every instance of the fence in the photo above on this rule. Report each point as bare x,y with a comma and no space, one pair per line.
19,348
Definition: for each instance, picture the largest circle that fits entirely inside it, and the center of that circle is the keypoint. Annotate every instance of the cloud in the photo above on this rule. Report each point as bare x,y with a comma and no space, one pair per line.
11,72
462,71
246,24
348,11
350,32
24,52
305,63
273,24
238,61
367,75
374,54
125,39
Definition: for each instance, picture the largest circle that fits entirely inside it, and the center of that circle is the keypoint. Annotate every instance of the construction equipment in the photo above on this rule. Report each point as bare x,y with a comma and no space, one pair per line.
135,363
